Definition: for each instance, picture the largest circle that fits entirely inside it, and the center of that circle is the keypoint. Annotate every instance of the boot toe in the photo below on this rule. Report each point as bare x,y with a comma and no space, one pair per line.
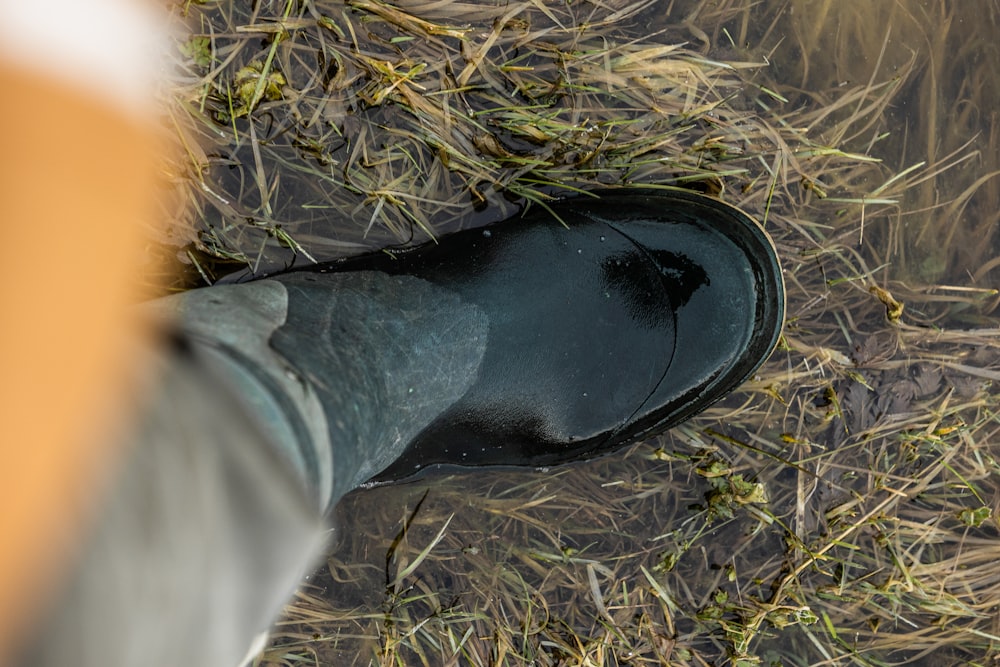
724,280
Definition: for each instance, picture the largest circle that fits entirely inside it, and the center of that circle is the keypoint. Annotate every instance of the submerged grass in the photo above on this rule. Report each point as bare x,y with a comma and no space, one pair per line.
320,129
841,508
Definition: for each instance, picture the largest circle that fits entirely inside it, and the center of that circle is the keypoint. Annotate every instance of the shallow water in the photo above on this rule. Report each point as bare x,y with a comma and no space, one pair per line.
568,565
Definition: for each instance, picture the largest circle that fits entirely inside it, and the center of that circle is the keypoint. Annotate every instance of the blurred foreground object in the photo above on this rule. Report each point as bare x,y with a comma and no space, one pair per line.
77,184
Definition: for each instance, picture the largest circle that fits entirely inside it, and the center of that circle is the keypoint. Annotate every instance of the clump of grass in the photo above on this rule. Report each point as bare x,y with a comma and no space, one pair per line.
326,128
841,508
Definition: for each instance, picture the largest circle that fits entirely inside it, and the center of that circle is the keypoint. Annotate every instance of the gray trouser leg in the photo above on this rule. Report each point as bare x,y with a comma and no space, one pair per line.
203,538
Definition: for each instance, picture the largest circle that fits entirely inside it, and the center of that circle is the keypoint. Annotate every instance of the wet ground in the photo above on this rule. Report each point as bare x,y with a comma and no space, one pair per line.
841,507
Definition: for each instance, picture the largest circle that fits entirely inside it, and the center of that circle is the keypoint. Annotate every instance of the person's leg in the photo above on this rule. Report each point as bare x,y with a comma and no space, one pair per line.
202,539
237,455
524,344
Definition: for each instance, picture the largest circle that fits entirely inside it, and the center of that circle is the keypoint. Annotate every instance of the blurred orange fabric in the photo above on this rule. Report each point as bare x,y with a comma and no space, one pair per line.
77,181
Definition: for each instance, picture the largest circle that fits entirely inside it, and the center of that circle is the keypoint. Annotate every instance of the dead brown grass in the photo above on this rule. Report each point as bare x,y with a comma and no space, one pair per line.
841,508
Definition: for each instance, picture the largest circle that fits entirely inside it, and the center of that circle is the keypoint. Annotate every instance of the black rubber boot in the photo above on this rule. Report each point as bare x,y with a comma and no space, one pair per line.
645,308
526,343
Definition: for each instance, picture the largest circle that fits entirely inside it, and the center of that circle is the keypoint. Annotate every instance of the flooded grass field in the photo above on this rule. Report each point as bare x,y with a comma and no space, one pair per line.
841,508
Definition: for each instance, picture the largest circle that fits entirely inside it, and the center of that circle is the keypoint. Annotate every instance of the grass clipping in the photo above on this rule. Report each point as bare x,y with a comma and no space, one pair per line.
841,508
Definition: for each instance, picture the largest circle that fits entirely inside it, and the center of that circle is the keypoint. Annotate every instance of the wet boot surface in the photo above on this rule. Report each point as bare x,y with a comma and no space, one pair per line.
639,311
